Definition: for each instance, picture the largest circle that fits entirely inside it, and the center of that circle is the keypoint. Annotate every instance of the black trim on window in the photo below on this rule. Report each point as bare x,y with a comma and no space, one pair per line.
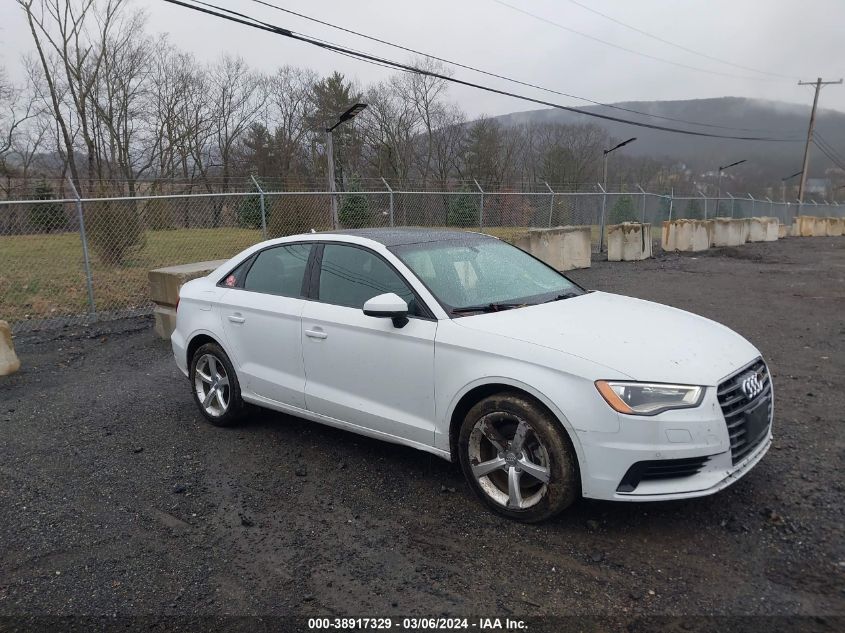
312,289
425,312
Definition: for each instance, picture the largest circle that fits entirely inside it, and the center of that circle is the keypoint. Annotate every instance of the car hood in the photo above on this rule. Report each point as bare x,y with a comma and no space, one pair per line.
643,340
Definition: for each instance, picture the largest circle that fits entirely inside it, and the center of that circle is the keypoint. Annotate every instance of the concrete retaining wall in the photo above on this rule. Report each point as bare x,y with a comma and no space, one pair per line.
164,291
562,248
628,242
9,362
729,232
687,235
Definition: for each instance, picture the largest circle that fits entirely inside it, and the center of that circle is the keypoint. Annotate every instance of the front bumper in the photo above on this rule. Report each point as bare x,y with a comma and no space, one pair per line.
673,435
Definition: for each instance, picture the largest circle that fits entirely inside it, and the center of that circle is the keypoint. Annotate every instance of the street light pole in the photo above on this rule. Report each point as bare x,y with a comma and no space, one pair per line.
604,189
719,190
346,116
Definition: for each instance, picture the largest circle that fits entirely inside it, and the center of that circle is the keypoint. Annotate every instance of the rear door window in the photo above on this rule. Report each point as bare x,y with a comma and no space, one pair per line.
279,270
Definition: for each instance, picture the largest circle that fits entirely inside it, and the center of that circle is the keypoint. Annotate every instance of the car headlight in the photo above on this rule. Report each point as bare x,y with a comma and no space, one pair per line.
647,398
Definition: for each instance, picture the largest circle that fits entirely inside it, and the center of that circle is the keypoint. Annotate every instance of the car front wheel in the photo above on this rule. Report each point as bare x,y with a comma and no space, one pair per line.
215,386
517,458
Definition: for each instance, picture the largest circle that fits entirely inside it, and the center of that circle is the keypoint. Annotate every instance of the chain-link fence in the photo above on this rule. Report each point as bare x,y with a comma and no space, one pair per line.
73,259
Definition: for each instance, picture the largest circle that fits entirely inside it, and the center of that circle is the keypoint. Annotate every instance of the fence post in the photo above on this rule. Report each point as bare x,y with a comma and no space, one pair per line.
551,202
771,207
671,202
601,221
642,195
89,281
733,201
391,200
700,193
481,207
263,213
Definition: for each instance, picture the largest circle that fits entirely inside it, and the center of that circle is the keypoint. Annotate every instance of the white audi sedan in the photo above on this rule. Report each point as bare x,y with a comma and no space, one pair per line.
464,346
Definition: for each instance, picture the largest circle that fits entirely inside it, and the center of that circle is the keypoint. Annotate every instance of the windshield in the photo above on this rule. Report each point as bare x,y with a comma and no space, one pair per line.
486,274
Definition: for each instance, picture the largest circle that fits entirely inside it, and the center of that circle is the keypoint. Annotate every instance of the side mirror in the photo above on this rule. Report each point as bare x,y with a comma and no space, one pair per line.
388,306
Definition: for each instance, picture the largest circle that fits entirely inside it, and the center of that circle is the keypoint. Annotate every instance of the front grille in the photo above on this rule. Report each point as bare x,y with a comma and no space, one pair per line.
736,406
660,469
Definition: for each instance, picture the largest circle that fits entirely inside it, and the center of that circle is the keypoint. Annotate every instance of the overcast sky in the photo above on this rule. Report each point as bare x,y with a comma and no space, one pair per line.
787,37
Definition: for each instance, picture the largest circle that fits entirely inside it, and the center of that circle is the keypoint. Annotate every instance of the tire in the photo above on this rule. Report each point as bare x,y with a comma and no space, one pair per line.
215,386
517,458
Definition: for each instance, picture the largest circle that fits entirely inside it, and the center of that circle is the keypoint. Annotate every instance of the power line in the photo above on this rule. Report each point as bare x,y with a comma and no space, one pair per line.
818,137
838,163
627,50
497,75
675,44
258,24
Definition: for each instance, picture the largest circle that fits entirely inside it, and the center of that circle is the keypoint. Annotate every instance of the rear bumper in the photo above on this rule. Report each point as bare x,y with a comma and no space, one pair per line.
674,435
180,350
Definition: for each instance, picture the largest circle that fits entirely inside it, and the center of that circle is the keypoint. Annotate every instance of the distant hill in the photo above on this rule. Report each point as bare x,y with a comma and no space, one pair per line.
762,118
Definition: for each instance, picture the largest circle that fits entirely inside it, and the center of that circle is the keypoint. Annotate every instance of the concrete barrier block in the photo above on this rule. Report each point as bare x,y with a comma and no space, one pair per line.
756,230
820,227
804,226
835,226
165,321
772,231
9,362
728,232
562,247
629,241
784,230
746,229
762,229
687,235
166,282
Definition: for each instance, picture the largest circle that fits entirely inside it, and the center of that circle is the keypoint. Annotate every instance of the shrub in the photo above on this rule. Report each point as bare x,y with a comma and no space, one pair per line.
47,216
248,211
623,211
114,230
463,210
354,210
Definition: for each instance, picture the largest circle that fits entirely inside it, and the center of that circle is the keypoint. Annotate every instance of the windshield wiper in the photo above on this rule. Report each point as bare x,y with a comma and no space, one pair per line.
489,307
566,295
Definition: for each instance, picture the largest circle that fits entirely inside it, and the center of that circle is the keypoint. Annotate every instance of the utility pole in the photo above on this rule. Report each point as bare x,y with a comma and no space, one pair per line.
818,83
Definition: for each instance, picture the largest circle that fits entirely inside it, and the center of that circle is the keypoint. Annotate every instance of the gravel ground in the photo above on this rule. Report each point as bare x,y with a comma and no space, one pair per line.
117,498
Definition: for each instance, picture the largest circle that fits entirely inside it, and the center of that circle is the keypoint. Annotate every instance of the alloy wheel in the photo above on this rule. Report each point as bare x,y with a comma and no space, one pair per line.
508,460
211,384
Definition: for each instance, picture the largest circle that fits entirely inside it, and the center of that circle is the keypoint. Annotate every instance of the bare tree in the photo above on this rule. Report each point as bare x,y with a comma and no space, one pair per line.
70,39
390,124
290,110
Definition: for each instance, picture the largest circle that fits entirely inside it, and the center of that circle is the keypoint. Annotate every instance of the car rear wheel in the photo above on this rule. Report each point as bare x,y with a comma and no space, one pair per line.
215,386
517,458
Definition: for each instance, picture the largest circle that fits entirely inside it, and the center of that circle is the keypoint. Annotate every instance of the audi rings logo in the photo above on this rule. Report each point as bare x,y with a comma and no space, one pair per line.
752,385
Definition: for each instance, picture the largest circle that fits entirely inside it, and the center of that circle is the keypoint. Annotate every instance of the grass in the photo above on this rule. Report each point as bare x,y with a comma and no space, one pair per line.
43,276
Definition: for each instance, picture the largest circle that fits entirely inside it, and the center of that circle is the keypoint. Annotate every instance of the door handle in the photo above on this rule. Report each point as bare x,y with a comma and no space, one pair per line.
234,318
316,334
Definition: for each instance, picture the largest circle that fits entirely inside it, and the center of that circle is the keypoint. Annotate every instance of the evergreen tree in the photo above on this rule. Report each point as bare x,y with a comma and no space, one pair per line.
623,210
463,209
47,216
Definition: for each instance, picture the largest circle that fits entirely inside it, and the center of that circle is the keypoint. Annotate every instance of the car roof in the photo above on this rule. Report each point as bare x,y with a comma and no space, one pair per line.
401,236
